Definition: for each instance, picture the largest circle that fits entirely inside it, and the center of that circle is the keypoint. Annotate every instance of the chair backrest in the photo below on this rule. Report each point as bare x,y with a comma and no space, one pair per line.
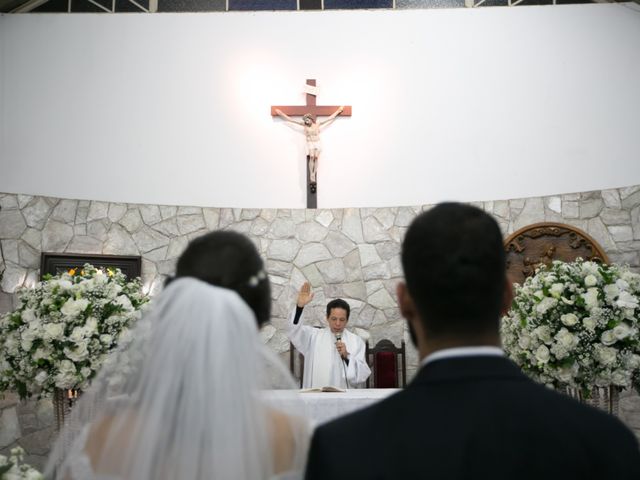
387,363
297,368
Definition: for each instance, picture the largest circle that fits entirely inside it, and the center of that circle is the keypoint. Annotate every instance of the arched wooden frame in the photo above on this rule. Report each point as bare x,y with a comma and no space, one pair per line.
541,243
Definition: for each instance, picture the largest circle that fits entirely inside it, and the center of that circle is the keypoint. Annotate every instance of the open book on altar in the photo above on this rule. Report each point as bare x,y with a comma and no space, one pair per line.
323,389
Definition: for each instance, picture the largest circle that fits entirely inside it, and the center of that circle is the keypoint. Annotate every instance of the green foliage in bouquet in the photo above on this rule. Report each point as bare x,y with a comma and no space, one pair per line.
576,325
64,328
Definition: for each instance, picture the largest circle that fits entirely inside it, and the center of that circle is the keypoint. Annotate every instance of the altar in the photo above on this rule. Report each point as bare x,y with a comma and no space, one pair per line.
322,407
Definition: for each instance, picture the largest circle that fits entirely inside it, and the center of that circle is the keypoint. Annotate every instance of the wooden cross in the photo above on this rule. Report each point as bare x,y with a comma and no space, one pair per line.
314,110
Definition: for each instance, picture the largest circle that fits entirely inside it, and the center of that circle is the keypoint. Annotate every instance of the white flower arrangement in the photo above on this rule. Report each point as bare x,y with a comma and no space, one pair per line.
64,328
576,325
13,467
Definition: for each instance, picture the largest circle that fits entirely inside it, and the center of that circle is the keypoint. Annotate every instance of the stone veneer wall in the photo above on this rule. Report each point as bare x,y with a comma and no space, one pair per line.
349,253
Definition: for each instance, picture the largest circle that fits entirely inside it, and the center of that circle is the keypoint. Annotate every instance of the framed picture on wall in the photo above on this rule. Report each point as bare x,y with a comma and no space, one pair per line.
57,263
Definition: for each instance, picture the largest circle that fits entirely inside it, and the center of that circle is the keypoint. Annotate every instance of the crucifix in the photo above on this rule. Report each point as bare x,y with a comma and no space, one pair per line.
309,113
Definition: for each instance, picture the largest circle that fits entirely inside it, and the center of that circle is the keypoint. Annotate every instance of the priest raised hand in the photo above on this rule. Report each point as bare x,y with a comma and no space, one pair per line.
333,355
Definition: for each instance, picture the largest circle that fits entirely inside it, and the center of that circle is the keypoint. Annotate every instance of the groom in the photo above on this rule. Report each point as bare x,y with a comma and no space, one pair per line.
333,355
469,413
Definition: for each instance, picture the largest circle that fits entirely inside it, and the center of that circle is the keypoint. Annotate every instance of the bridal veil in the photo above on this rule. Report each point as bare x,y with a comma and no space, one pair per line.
184,398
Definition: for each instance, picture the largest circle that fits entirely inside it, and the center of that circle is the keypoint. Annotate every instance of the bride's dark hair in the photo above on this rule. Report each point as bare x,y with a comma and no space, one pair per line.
230,260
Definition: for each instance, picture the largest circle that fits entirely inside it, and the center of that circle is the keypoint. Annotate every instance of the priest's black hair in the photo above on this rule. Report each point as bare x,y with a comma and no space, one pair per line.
338,303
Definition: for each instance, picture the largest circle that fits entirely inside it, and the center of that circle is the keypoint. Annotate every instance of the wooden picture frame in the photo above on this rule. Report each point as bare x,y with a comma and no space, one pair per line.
56,263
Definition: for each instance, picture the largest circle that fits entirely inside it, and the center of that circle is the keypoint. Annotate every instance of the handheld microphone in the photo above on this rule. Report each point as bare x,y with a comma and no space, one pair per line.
338,338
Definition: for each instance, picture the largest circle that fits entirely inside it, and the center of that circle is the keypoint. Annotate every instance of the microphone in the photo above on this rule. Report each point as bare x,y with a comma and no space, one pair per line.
344,361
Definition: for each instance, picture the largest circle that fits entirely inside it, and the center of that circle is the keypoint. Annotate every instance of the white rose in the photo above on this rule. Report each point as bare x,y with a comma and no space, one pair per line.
566,339
608,338
79,353
590,281
66,377
29,335
63,284
88,284
620,378
41,377
590,268
630,277
41,353
543,332
33,475
67,367
91,326
622,284
542,354
589,323
73,307
556,290
621,331
28,315
11,344
106,339
4,365
539,294
566,301
85,372
591,298
606,355
567,374
569,319
632,361
124,302
53,331
78,335
559,351
545,304
603,379
627,300
611,292
113,290
113,319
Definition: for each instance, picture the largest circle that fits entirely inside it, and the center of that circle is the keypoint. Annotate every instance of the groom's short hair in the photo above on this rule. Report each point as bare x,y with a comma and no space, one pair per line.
338,303
454,264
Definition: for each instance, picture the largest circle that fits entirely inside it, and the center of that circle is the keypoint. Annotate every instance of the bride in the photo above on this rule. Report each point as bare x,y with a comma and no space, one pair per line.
182,399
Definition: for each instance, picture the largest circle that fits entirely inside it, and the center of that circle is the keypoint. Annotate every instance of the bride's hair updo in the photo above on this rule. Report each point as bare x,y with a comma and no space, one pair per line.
230,260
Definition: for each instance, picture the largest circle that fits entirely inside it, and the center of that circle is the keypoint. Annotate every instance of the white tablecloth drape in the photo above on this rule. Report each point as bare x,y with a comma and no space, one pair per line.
322,407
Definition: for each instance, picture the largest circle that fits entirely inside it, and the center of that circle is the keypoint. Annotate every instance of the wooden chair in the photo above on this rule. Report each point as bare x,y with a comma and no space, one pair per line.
387,362
296,368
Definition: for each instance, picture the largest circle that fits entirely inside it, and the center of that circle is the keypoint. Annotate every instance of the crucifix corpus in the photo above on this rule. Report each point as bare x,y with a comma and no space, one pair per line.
309,113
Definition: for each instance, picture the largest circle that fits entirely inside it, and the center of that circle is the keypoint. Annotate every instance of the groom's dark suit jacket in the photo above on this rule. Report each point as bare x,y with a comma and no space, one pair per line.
474,418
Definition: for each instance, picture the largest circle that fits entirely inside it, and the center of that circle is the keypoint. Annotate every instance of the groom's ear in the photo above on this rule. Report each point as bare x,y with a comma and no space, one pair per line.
507,297
405,302
409,312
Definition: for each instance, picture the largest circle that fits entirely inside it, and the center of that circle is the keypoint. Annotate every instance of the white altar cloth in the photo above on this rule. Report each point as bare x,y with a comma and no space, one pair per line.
322,407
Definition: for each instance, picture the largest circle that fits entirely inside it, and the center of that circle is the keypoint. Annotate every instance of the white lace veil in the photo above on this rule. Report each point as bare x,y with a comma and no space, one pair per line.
183,399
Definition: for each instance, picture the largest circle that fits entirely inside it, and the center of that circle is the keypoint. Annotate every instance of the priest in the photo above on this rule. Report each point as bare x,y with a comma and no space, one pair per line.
333,355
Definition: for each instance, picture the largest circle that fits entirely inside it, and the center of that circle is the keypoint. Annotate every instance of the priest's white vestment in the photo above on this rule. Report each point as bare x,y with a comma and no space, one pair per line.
323,365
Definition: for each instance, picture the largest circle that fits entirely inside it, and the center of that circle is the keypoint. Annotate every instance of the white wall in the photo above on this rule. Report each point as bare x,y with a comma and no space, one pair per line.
464,104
